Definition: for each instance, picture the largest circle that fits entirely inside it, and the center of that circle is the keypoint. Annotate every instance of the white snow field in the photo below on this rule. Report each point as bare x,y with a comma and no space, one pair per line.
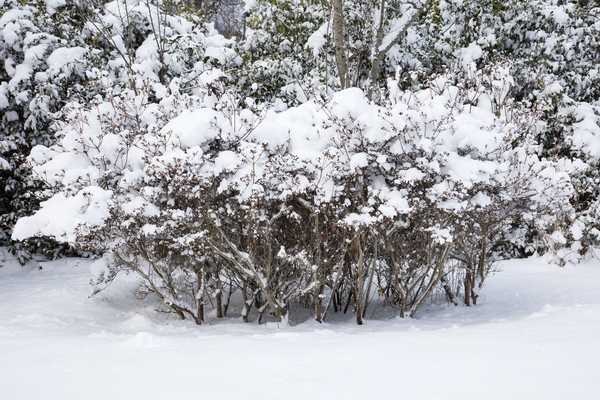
534,335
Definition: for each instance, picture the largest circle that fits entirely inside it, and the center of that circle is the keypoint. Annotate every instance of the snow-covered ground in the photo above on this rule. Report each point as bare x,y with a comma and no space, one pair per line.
534,335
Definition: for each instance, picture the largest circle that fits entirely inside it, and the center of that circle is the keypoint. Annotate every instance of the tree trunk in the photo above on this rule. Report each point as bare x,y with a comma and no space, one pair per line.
449,295
371,277
468,288
247,303
200,318
358,304
334,298
319,304
220,303
379,40
435,280
348,301
338,41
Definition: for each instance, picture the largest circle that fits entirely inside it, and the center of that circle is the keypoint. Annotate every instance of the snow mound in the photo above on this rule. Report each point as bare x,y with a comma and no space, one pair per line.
144,340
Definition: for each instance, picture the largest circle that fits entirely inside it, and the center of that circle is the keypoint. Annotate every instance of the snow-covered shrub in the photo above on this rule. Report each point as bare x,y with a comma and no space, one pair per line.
447,173
139,54
41,67
487,183
97,172
552,46
318,204
580,136
49,46
555,47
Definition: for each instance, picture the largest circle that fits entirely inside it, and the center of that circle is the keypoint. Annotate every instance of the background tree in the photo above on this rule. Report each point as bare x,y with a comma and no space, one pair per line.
42,69
278,67
227,15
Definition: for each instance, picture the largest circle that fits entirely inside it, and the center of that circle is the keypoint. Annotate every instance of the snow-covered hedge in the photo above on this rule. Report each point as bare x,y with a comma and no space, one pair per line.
202,196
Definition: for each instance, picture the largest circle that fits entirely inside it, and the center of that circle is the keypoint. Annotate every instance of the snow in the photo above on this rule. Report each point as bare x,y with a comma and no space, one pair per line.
100,267
481,199
22,72
138,204
470,54
62,215
359,160
586,135
558,13
216,53
52,5
9,28
397,27
203,128
533,335
317,40
63,56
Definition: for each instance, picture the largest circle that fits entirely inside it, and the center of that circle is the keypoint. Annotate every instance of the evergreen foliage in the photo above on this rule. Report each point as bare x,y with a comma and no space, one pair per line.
37,78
